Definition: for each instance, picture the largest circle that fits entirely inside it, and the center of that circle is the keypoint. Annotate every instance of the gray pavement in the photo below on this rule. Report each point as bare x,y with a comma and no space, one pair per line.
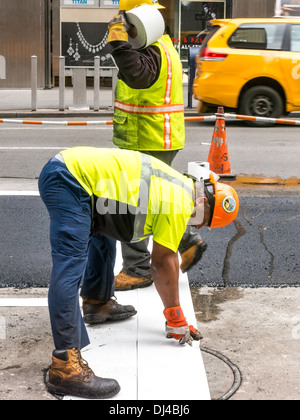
17,103
251,335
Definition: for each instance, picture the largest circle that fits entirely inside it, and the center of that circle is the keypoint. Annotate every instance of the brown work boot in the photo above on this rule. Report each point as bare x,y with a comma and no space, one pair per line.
192,256
96,312
69,374
124,282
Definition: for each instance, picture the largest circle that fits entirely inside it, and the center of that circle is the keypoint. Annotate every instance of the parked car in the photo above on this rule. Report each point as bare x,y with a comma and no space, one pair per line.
251,66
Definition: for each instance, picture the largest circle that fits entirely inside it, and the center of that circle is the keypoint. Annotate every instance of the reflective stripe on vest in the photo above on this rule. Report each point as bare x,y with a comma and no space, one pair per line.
167,123
169,75
144,196
148,109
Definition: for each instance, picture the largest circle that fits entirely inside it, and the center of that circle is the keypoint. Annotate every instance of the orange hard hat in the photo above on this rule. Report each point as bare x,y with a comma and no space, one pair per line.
224,203
131,4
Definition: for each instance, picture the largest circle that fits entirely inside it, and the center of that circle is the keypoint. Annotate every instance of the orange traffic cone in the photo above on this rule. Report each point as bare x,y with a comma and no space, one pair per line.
218,157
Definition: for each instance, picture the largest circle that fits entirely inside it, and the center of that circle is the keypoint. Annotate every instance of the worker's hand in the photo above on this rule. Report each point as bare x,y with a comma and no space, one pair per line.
131,29
118,27
178,328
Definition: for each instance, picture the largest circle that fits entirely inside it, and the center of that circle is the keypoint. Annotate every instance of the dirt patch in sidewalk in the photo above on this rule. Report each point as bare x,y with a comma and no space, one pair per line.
26,345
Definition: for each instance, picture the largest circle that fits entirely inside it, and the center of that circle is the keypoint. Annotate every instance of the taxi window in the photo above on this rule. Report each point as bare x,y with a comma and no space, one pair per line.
212,30
295,38
268,36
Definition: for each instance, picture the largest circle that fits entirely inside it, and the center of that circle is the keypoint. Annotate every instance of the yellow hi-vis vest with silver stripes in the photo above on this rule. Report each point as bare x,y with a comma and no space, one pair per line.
135,195
153,118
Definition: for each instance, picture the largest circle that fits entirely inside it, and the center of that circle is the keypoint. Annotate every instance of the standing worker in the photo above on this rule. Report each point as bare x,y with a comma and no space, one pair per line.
148,117
118,195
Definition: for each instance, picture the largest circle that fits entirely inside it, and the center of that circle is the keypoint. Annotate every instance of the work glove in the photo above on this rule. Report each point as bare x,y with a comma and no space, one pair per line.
178,328
118,27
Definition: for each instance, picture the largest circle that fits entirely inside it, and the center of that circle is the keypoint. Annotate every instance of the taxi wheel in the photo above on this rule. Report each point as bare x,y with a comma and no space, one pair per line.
262,101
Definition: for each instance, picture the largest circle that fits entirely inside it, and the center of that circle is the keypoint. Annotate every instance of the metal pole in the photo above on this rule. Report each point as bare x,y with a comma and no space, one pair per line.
79,89
114,83
96,83
33,83
62,83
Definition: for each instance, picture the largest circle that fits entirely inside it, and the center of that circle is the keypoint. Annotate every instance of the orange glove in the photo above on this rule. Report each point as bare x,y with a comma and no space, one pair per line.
178,328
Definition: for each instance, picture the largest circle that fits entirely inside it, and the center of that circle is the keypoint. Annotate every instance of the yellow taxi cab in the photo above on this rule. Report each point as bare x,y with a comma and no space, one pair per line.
251,66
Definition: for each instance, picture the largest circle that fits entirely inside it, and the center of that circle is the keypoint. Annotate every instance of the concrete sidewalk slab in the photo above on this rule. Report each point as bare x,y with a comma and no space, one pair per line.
48,99
137,353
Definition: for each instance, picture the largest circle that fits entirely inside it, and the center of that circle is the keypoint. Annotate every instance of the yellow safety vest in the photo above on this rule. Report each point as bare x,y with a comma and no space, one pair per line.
153,118
135,195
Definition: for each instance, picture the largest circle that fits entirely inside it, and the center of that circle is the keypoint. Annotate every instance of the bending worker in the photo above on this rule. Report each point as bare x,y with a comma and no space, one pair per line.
148,117
114,194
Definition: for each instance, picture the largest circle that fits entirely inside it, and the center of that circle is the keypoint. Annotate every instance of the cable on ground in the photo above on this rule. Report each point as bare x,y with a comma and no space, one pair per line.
237,375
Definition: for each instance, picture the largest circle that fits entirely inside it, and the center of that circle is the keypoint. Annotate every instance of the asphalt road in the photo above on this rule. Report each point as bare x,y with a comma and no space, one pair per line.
259,249
272,151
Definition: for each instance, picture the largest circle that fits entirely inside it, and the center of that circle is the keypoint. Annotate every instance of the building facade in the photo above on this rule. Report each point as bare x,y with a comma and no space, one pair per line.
76,29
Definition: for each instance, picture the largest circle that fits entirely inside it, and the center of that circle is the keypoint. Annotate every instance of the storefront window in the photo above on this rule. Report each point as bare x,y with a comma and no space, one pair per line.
193,20
185,20
286,8
171,16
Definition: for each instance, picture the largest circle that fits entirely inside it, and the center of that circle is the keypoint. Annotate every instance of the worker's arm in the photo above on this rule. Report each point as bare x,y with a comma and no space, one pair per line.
165,274
139,69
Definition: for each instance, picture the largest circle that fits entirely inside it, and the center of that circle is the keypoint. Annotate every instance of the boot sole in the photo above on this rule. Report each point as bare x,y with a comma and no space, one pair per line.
99,319
60,392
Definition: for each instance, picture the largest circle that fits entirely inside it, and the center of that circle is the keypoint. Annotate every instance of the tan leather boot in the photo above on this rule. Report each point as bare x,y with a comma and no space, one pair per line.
192,256
69,374
96,312
124,282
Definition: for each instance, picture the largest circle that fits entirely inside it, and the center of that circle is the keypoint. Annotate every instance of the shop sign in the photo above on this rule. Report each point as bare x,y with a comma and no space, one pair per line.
110,3
79,3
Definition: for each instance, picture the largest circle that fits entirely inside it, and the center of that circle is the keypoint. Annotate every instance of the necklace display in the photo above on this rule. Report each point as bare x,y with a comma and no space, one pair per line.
89,47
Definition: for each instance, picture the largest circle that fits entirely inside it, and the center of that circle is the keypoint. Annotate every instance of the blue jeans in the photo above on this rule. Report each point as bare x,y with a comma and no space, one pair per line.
69,207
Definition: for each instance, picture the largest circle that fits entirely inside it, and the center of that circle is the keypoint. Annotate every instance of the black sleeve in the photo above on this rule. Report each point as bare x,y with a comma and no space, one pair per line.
139,69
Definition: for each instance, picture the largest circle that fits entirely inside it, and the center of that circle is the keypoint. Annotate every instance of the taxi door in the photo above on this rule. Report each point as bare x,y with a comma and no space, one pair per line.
290,65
